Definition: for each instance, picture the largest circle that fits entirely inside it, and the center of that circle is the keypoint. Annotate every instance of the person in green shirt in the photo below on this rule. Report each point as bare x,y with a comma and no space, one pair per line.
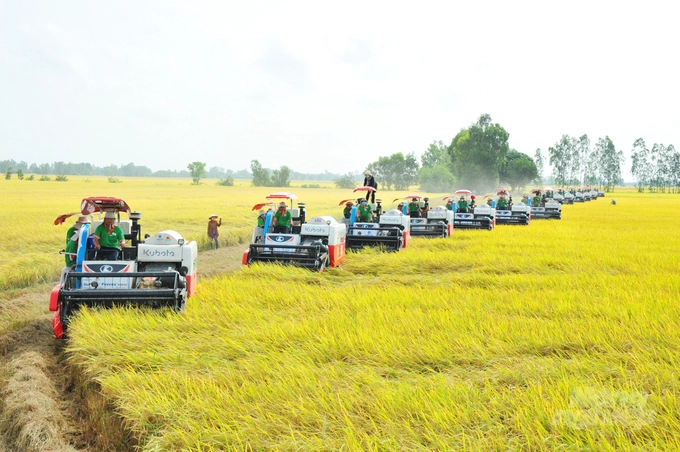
462,205
347,211
261,217
536,200
282,220
364,212
109,239
72,236
413,209
449,204
502,203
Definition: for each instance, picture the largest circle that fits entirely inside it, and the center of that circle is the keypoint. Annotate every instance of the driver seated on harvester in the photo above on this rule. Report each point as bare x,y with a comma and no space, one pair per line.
414,209
364,212
502,203
109,239
282,220
462,205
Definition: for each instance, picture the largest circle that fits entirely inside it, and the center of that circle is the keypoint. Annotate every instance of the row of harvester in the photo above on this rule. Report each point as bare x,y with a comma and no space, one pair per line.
156,272
314,244
389,230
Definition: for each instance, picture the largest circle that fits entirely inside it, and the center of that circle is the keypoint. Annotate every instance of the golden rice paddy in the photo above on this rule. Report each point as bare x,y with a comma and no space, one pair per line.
563,335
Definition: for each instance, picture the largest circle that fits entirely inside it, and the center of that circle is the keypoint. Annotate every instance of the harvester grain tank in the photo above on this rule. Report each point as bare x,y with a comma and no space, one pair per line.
157,272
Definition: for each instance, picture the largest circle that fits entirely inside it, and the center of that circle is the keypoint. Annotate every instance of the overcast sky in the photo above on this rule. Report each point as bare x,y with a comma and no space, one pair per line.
327,85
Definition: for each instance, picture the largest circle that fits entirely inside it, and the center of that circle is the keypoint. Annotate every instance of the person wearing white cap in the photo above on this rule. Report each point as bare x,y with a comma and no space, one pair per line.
282,220
213,232
72,240
369,181
109,239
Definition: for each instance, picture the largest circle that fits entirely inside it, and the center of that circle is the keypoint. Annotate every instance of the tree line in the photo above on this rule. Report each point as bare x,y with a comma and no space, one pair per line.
480,159
575,162
658,168
131,170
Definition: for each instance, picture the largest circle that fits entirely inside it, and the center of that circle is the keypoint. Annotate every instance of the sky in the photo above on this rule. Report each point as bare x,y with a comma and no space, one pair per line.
327,86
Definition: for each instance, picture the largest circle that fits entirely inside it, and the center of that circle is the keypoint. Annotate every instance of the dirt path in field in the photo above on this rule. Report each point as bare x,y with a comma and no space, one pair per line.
38,408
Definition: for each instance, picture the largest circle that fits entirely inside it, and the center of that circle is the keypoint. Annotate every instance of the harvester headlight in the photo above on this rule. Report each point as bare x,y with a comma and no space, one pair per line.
180,241
94,284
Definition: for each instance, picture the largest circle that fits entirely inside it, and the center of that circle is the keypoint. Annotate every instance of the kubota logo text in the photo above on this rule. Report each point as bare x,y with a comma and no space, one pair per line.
158,253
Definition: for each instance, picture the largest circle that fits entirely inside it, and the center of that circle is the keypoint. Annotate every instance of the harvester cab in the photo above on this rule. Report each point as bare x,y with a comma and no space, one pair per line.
431,222
509,212
568,195
470,216
157,272
315,244
547,207
389,230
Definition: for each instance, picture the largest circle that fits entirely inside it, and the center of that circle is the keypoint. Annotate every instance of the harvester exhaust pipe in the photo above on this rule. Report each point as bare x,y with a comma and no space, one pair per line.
136,228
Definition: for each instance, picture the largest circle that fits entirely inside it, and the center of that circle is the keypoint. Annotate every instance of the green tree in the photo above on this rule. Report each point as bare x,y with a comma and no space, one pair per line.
540,166
346,181
8,174
436,179
260,175
478,153
518,170
560,154
20,174
640,165
436,154
396,171
197,170
609,161
281,177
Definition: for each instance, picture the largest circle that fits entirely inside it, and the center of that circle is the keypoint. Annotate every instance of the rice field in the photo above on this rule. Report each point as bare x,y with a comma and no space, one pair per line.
563,335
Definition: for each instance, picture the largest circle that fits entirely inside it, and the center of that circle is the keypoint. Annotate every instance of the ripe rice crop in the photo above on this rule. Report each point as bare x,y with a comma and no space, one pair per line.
559,335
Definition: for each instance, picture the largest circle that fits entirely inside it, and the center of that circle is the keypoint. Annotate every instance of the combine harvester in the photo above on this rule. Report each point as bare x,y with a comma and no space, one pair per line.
390,232
157,272
471,216
437,222
578,195
316,244
567,196
546,208
508,212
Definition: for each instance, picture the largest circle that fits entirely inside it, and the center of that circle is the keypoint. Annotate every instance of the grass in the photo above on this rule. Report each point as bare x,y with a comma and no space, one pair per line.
559,335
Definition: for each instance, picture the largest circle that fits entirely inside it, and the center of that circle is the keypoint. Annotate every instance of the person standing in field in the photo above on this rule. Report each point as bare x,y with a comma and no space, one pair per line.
282,219
109,239
369,181
213,231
